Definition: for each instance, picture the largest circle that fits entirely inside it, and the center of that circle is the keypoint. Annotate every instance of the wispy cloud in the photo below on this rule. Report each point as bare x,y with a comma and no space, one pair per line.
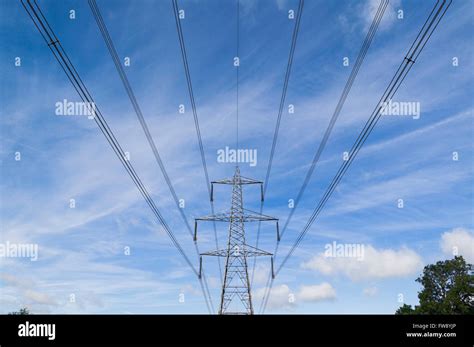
81,250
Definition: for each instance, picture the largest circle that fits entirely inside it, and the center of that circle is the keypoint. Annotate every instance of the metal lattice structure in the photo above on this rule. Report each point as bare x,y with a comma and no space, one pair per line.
236,295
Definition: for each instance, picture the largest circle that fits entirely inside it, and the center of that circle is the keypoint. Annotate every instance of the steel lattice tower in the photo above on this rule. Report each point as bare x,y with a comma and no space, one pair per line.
236,295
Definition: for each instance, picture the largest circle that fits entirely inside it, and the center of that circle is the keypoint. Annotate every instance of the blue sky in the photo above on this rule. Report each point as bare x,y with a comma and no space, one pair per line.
81,250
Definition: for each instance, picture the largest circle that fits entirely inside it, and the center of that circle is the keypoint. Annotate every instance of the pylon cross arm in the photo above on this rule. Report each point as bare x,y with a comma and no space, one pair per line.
247,216
248,251
241,180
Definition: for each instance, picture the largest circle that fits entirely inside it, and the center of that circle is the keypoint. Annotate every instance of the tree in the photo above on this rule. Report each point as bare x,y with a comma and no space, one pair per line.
23,311
448,288
405,309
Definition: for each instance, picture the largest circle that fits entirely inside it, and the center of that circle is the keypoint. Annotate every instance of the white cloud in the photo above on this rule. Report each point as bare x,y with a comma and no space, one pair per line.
39,298
458,241
279,298
383,263
38,301
282,297
282,4
261,273
318,292
389,17
370,291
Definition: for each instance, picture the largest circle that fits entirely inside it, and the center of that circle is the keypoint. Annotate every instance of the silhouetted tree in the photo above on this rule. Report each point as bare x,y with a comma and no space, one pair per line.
23,311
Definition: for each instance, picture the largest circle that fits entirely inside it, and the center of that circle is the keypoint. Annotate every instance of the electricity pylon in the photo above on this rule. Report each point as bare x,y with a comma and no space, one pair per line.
236,296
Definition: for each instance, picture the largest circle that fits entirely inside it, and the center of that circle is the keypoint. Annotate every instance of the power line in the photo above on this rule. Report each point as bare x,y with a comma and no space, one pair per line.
237,75
283,94
416,48
347,88
400,75
113,53
196,119
43,27
354,72
280,111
